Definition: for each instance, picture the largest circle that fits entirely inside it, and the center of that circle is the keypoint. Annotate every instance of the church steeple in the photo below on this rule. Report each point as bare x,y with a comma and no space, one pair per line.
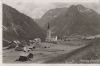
48,38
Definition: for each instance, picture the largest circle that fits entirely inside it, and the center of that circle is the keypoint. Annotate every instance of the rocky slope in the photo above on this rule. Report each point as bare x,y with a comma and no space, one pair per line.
16,25
50,15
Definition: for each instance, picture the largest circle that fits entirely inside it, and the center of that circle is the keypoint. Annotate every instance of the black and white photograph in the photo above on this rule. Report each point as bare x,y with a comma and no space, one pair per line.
50,31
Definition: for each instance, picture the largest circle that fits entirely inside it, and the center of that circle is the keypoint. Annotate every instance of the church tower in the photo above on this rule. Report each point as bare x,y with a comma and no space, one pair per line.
48,38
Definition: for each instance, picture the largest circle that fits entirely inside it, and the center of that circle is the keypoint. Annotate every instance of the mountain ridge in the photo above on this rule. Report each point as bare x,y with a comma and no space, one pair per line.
76,20
17,25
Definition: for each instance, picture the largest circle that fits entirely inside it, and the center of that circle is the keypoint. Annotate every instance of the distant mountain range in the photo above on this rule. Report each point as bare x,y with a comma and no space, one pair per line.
16,25
76,19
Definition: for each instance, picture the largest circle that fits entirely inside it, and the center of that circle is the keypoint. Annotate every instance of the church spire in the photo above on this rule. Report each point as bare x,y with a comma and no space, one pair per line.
48,38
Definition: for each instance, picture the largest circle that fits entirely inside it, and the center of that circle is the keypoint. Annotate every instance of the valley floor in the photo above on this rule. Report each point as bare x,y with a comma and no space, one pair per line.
57,53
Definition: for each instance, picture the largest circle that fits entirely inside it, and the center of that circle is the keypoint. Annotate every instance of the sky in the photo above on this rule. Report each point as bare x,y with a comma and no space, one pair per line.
37,8
49,1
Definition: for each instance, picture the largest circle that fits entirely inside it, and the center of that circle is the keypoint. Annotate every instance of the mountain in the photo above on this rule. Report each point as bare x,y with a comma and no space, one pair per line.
50,15
77,20
18,26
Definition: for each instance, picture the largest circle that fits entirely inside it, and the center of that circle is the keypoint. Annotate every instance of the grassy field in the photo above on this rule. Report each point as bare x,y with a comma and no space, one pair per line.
43,54
87,54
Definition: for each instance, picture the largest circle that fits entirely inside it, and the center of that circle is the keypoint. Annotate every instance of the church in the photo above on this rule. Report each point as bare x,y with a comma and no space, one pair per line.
49,37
